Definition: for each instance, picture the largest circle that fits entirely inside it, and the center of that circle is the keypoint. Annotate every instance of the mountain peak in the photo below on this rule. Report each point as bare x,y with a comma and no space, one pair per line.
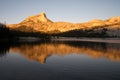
42,17
42,14
38,18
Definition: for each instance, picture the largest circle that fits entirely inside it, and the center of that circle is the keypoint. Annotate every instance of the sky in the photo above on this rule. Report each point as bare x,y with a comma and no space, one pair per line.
14,11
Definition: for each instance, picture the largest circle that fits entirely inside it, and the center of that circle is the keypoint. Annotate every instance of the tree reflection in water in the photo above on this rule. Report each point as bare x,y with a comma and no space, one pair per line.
41,51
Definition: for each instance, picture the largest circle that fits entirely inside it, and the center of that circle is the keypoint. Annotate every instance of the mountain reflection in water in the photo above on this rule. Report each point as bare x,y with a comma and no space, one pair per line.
41,51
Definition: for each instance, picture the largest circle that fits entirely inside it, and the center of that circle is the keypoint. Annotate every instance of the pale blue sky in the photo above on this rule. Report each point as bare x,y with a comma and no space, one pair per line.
14,11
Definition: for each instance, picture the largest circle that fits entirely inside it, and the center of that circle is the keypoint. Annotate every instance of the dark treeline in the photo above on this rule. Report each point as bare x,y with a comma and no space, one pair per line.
4,31
28,34
83,33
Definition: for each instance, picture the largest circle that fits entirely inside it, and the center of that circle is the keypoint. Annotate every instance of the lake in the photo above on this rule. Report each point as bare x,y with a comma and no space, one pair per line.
59,60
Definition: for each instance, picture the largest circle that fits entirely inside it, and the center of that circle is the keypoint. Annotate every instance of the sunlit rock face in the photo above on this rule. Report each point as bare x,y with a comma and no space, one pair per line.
40,23
38,18
37,23
114,19
41,52
97,22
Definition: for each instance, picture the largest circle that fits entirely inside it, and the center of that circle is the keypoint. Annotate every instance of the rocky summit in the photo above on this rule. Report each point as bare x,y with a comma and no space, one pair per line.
40,23
37,18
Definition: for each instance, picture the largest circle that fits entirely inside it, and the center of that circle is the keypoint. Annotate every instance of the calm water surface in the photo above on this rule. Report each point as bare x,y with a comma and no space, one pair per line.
66,60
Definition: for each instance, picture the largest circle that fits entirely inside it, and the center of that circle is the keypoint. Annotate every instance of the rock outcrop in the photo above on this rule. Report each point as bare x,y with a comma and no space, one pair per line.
40,23
37,23
38,18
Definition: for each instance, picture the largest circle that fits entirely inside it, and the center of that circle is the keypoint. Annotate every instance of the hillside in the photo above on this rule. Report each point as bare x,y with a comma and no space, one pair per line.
40,23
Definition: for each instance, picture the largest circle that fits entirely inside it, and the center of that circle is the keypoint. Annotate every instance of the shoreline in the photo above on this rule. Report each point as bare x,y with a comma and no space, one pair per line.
103,40
82,39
